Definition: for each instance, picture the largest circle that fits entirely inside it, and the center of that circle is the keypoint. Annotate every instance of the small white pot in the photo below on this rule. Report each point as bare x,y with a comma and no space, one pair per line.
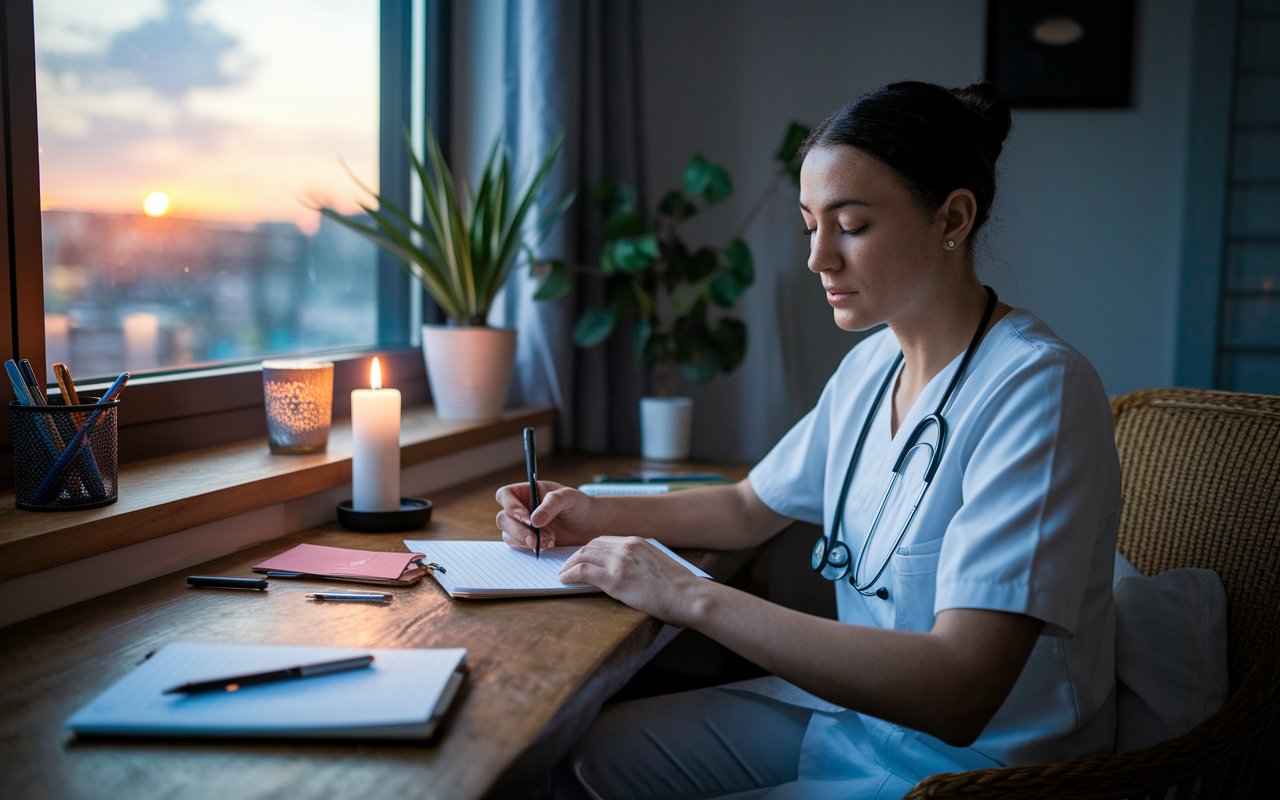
666,426
469,368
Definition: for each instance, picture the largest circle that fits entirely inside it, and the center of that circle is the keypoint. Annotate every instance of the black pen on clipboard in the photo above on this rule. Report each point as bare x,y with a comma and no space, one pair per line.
531,468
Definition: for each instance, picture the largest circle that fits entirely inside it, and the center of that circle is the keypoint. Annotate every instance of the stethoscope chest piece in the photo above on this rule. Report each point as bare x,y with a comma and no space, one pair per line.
832,565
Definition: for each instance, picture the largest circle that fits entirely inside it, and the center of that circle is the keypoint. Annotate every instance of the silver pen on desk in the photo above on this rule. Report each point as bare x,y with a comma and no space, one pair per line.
353,597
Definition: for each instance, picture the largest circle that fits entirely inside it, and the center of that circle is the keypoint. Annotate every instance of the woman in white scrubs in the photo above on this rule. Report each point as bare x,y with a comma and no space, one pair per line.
976,631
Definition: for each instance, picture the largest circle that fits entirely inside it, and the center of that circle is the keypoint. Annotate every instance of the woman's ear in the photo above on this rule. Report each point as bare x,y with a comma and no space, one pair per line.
956,214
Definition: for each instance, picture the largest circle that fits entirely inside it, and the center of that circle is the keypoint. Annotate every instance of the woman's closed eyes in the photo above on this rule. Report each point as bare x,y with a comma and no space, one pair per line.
807,231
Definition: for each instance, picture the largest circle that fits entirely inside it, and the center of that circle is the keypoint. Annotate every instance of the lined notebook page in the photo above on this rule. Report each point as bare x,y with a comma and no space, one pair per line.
493,569
400,688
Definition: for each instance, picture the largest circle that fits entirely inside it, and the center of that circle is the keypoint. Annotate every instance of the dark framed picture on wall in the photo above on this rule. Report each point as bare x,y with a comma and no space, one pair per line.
1062,53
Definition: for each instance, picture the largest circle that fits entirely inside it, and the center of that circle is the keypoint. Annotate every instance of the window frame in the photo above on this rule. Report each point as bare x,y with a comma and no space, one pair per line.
170,411
1208,172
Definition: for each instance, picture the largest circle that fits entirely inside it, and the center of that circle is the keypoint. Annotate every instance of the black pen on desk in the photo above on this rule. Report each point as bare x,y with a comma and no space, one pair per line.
531,468
233,683
212,582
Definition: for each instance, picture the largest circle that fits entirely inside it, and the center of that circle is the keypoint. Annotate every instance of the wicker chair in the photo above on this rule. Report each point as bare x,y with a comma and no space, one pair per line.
1201,473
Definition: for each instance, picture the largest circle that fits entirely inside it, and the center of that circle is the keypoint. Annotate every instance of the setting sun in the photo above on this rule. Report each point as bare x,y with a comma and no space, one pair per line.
156,203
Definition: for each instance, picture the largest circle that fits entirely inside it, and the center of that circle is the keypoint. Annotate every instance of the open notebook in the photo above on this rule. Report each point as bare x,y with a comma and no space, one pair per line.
404,694
490,570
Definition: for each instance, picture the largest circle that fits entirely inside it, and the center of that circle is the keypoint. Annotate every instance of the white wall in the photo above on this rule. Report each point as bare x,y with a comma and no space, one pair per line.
1086,231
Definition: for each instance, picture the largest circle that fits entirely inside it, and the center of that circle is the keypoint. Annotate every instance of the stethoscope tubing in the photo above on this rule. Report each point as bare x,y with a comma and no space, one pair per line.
912,441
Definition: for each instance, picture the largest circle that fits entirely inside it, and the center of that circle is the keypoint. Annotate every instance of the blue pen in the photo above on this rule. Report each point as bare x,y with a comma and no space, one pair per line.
59,469
36,395
19,383
28,397
49,430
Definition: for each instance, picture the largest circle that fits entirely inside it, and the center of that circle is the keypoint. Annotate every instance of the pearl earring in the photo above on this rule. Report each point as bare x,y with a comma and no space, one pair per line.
951,243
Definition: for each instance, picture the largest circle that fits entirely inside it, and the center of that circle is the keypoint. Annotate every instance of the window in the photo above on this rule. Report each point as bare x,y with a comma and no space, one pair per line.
392,60
1229,311
182,148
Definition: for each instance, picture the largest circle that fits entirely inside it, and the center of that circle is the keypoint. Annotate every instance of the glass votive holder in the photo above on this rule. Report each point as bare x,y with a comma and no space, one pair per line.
299,402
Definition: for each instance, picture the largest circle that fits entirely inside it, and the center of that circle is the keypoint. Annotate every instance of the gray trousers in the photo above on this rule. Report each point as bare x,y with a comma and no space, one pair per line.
701,744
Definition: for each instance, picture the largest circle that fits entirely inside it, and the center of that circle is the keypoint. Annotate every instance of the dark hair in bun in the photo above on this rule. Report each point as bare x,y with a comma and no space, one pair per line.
937,139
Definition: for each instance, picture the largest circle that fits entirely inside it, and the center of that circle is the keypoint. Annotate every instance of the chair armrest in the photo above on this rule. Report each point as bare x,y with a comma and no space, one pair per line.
1232,733
1114,776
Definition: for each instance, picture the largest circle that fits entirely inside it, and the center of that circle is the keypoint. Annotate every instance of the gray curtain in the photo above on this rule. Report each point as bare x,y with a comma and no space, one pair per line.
572,67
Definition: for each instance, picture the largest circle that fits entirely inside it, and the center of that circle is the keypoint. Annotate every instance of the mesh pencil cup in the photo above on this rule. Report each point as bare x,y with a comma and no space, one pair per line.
64,457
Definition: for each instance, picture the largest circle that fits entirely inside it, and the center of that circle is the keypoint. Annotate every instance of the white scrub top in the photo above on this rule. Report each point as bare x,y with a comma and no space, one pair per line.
1021,517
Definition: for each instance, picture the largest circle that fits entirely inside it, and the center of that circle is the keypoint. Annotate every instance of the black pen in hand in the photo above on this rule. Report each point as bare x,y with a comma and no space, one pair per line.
531,468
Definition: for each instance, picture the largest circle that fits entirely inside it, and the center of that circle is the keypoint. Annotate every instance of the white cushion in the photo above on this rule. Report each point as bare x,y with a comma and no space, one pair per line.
1171,652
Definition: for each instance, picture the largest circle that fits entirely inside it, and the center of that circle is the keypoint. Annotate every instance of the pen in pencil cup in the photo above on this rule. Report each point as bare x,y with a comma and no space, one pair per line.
35,393
68,389
65,384
57,473
29,395
85,480
33,385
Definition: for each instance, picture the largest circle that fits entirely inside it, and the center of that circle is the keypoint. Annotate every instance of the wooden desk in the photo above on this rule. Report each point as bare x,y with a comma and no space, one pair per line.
540,669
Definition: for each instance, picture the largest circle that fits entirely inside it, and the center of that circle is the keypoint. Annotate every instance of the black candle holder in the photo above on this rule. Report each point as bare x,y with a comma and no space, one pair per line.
414,512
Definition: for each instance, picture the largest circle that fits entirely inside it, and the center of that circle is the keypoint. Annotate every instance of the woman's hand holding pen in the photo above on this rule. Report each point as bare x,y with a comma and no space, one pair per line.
626,568
566,516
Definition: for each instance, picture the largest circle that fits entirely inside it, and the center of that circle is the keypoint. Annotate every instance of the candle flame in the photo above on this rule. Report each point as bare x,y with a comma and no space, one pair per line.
375,374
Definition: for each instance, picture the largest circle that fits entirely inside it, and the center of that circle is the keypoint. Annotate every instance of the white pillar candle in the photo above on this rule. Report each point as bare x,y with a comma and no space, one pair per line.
375,454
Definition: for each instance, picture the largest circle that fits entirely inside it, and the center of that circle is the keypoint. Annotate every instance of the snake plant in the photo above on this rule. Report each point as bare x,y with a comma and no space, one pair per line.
465,245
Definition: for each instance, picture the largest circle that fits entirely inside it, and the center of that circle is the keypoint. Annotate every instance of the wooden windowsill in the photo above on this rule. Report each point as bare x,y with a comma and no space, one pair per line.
164,495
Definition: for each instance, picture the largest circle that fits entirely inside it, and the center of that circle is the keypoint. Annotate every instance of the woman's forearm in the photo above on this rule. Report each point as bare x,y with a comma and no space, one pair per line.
727,517
948,682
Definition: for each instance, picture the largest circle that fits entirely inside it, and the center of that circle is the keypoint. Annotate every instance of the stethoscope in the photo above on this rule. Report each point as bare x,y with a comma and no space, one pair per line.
831,558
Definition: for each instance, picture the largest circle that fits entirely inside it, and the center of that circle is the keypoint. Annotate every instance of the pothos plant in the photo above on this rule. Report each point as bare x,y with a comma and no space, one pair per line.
668,289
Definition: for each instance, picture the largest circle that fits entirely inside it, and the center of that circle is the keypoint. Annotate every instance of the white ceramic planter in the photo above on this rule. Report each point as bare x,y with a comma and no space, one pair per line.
469,368
666,426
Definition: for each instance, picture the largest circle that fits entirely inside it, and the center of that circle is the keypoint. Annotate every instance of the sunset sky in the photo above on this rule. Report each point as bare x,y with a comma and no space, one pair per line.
238,110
